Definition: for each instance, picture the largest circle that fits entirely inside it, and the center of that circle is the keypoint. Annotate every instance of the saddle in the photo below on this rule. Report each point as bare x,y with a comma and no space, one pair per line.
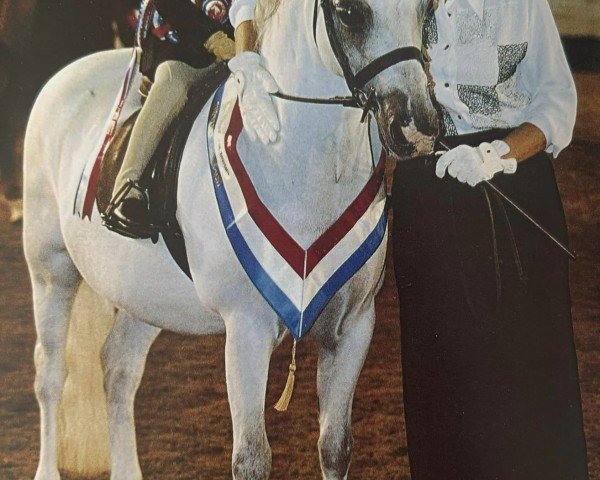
161,176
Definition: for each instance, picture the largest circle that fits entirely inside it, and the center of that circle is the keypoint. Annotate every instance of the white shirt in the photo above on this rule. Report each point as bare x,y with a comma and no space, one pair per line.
498,64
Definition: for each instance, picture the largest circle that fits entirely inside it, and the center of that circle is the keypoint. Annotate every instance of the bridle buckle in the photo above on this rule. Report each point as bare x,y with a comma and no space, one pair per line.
366,101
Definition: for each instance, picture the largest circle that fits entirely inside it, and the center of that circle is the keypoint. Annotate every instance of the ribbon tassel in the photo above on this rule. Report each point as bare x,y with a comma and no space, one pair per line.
286,396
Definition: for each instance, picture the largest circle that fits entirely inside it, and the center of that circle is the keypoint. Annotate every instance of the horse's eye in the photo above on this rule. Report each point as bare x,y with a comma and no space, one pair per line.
351,17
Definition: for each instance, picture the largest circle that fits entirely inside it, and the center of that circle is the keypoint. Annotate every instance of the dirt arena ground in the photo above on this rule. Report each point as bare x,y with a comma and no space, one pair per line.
182,414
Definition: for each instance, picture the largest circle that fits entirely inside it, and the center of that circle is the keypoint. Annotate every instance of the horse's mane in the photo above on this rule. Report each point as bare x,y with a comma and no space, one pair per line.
264,10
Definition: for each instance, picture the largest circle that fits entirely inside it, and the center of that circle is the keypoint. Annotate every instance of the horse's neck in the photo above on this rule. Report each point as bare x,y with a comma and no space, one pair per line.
291,54
320,161
292,58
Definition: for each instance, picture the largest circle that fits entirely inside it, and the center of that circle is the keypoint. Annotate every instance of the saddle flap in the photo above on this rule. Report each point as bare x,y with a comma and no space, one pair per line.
112,161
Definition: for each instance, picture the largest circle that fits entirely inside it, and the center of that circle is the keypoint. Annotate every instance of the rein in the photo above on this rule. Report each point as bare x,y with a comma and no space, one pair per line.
356,82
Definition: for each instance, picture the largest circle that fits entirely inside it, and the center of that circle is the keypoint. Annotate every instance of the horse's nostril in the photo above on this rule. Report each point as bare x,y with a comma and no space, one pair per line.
396,133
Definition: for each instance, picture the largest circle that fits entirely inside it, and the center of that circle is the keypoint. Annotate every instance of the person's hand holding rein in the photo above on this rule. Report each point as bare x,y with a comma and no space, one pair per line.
254,86
473,165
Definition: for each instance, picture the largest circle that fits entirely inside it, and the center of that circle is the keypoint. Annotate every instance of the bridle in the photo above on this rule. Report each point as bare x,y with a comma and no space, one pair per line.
360,97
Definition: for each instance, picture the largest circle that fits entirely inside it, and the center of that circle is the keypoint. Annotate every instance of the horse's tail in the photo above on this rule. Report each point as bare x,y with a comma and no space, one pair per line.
83,441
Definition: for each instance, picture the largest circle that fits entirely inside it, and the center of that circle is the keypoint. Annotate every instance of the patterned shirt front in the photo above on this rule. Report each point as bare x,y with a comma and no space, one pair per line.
498,64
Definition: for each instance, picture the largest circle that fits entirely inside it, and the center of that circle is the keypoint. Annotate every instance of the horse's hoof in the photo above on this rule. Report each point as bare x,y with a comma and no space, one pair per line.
135,474
47,474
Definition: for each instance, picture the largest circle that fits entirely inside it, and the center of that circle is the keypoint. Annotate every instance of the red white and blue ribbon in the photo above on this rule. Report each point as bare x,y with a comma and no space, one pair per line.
296,282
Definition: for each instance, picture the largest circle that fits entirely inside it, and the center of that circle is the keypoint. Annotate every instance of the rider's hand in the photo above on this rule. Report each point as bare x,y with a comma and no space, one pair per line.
473,165
254,85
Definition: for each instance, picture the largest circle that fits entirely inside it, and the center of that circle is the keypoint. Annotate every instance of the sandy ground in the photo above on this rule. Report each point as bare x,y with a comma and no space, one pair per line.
182,414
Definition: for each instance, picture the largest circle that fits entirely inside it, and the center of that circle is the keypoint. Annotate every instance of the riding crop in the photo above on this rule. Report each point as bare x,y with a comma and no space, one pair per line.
525,215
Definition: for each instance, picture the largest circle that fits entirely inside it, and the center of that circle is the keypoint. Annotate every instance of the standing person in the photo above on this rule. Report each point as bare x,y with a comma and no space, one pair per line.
489,368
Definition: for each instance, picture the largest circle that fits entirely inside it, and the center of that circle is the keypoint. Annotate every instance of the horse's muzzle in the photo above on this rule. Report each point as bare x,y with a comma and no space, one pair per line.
408,126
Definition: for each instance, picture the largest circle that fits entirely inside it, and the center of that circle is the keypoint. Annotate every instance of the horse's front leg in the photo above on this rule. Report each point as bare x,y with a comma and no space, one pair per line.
250,342
342,352
123,360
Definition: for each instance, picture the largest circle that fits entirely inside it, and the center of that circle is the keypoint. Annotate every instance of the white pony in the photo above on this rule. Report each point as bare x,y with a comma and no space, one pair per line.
307,178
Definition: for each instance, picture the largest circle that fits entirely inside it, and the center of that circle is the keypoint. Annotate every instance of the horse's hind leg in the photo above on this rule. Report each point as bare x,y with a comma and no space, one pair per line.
54,281
123,360
341,357
248,349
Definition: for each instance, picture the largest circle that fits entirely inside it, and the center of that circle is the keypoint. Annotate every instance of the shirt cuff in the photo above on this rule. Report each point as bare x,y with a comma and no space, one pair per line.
241,11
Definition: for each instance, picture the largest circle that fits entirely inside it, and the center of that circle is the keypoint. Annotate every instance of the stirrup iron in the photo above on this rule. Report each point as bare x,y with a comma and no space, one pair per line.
120,225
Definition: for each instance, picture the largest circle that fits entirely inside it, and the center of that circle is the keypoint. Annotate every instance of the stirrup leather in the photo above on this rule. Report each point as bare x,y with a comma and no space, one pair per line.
121,225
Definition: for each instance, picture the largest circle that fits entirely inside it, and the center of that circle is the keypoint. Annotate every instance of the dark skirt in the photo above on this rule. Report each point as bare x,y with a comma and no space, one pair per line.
491,390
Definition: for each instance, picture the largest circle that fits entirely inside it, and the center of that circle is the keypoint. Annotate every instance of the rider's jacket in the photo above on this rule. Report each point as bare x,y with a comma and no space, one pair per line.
179,30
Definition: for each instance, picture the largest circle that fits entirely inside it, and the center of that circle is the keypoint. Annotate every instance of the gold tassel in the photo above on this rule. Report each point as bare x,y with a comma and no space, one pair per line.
286,396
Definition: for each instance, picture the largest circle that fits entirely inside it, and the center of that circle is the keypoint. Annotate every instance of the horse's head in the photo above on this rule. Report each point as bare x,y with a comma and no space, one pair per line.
374,40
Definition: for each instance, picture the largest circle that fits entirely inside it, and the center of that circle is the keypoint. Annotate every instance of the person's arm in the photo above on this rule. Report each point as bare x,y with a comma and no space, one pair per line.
545,73
245,37
472,165
253,81
544,70
549,118
241,14
525,142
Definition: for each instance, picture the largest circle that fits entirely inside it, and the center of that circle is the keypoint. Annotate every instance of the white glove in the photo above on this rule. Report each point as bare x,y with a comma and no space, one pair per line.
473,165
254,86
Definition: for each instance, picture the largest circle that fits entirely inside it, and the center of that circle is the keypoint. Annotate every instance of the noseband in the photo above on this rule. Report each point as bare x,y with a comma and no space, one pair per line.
360,98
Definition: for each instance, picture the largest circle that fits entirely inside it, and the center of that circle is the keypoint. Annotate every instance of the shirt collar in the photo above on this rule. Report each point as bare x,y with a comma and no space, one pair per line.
476,5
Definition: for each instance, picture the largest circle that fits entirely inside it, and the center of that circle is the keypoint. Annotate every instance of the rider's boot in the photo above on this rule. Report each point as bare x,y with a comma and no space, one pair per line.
129,213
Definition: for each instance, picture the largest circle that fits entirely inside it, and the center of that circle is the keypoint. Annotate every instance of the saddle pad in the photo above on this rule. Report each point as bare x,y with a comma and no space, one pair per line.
296,282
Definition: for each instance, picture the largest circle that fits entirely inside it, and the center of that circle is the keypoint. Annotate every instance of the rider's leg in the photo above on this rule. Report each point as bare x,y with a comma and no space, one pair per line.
166,99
